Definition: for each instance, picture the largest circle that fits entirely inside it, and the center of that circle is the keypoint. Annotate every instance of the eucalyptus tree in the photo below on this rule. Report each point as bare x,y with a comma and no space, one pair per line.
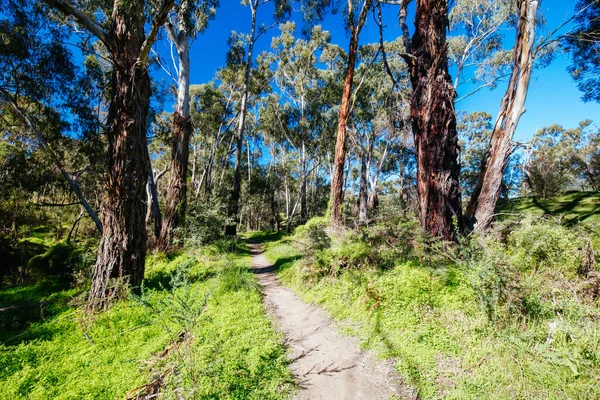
282,9
474,132
584,44
476,50
485,195
190,18
554,161
356,15
379,118
121,28
43,95
433,117
300,88
213,117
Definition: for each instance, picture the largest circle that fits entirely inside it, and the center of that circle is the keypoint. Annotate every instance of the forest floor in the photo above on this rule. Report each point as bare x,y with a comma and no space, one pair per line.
325,364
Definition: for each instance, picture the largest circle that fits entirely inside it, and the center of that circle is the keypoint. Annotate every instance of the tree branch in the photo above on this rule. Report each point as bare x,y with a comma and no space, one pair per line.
158,21
72,183
69,9
379,22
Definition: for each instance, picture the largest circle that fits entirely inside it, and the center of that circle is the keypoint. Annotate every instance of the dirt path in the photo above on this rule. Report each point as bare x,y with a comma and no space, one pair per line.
326,365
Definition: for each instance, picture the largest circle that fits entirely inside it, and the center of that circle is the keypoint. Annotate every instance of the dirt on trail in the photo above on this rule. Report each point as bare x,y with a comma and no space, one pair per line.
325,364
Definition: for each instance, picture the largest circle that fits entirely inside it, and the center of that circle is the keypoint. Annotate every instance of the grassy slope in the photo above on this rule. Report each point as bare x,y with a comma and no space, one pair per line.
433,326
231,352
572,207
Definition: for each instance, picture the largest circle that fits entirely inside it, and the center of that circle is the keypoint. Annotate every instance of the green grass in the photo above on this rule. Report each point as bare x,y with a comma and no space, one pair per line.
430,322
202,330
572,207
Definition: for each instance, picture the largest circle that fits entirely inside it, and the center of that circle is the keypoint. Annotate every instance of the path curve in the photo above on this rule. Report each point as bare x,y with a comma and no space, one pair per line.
325,364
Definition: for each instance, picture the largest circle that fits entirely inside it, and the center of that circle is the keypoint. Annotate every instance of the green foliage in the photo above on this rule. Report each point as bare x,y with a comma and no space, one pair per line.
204,223
233,277
483,319
229,349
546,246
584,43
314,233
63,260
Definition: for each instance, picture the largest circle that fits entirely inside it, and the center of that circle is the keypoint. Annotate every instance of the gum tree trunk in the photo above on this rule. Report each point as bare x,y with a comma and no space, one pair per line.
434,121
482,205
363,195
337,180
122,250
180,151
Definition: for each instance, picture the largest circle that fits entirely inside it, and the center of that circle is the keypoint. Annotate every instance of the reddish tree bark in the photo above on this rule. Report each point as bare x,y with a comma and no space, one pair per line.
434,121
482,205
337,180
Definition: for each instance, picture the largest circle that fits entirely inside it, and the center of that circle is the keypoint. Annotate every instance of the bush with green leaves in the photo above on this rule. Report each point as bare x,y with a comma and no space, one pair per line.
64,260
232,277
546,245
204,222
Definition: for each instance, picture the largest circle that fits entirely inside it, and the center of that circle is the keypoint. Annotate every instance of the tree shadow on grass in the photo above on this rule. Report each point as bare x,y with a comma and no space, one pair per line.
21,306
280,265
264,237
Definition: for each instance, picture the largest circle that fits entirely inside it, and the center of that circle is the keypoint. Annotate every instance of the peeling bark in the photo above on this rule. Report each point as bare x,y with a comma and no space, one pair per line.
482,205
176,204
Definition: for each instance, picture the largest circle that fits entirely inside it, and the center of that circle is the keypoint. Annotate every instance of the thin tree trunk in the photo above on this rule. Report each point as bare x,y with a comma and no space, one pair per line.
483,201
363,196
234,199
337,180
154,205
303,203
75,225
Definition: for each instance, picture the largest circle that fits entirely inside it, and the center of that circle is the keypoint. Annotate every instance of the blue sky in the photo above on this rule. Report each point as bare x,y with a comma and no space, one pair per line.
553,96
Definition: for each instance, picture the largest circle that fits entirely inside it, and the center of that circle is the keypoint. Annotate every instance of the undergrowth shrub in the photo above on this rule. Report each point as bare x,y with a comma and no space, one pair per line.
65,261
497,284
546,245
529,272
204,223
182,306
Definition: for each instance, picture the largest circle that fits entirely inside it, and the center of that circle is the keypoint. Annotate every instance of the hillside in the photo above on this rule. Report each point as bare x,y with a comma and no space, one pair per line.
571,208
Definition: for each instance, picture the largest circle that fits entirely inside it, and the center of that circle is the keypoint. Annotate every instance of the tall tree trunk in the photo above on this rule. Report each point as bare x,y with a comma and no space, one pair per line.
182,131
122,250
483,201
337,180
236,188
434,121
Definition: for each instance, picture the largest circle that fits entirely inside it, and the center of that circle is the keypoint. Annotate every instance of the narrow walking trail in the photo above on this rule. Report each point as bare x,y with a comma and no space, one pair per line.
326,365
